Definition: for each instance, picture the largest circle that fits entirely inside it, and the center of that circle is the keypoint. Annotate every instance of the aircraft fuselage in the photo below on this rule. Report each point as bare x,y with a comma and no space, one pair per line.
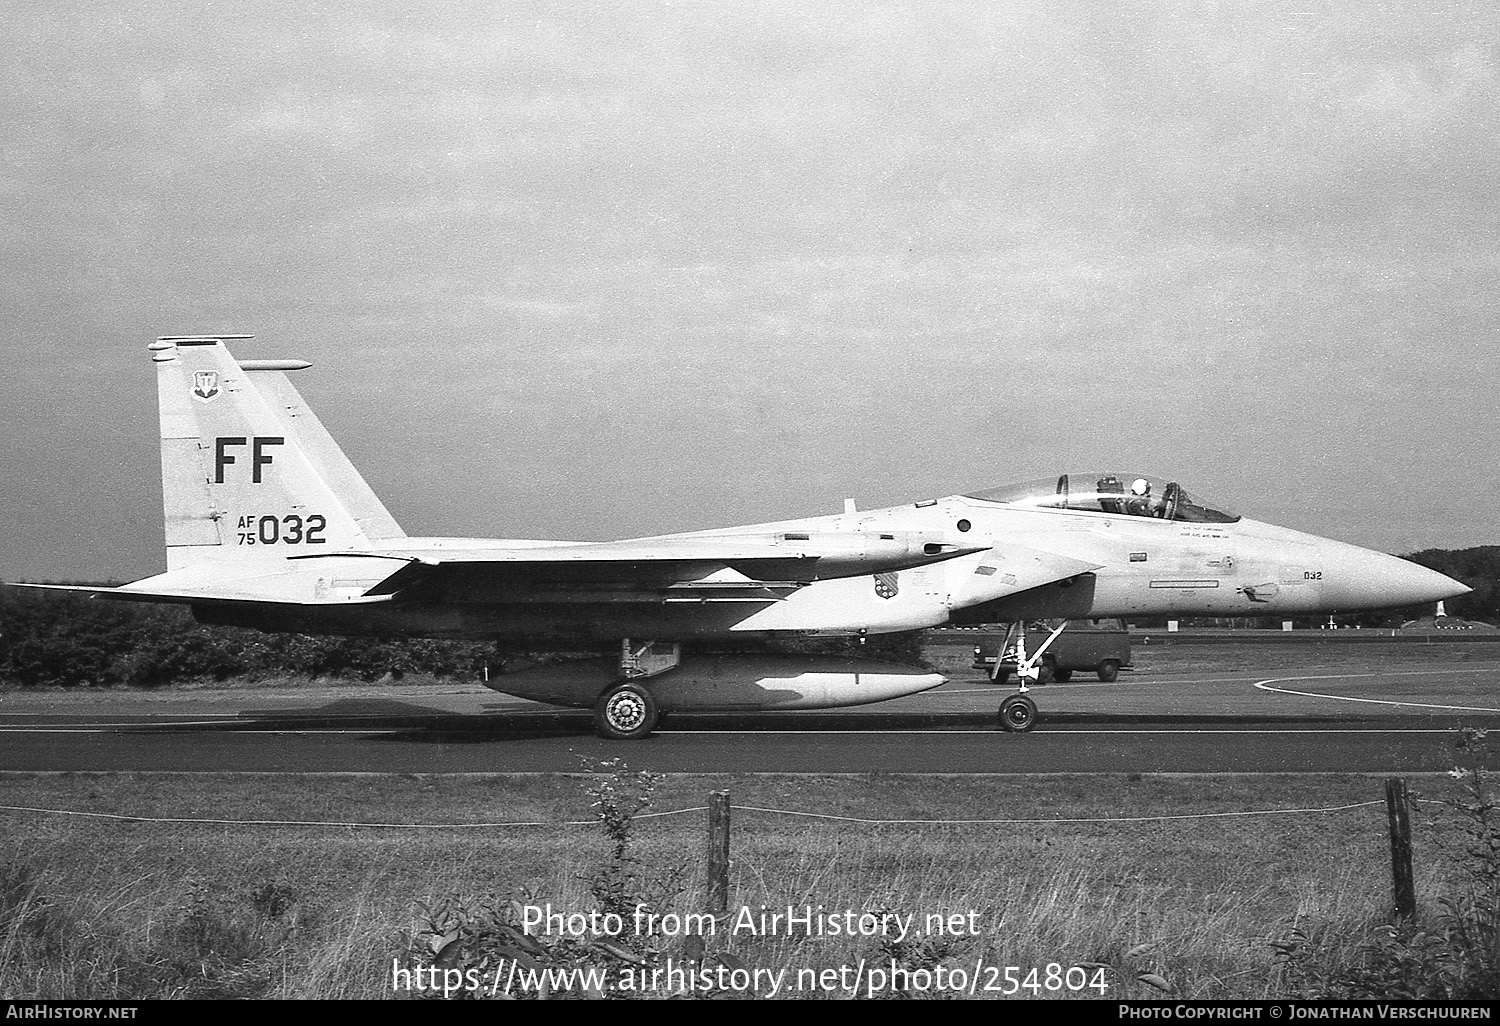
1128,566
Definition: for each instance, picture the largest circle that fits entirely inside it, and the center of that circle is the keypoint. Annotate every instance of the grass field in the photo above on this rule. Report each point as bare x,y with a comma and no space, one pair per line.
101,908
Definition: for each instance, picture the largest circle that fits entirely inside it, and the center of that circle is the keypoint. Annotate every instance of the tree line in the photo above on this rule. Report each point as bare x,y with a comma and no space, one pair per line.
1479,568
61,639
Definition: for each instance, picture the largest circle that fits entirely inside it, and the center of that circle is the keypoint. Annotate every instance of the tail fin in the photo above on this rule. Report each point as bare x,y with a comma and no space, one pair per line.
247,470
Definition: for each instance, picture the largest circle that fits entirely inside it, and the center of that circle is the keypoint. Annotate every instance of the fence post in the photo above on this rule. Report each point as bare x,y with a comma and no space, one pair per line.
1397,810
717,888
718,852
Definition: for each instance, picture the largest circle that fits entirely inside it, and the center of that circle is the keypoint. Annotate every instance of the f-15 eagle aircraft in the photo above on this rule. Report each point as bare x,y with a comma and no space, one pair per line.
269,525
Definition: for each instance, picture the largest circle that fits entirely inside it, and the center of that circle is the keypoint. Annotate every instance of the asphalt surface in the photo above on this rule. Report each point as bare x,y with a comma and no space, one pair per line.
1291,719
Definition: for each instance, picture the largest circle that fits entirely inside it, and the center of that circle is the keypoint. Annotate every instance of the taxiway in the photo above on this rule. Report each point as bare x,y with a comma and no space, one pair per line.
1315,718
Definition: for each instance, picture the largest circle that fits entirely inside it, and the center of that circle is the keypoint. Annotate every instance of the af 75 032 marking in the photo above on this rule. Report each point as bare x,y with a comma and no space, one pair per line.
291,529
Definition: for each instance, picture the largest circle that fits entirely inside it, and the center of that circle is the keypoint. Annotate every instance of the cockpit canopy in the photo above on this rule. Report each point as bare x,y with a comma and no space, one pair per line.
1126,494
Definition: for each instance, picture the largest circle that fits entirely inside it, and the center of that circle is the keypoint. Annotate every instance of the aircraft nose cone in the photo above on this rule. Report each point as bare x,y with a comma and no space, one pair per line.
1364,579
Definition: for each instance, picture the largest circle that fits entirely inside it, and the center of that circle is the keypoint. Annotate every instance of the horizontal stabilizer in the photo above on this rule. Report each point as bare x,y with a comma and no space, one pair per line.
336,582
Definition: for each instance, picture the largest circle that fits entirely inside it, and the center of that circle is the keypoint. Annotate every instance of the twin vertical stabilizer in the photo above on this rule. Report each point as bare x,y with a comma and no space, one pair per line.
248,472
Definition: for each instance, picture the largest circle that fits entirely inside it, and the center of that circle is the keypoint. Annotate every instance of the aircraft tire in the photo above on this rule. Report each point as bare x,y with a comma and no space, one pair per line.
1109,670
626,712
1018,714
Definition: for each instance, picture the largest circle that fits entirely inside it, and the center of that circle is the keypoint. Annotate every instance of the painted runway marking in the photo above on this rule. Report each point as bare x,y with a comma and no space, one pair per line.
134,728
99,728
1265,685
1280,729
1060,685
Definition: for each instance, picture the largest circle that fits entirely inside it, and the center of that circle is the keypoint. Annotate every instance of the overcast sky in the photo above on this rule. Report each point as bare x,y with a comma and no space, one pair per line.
603,270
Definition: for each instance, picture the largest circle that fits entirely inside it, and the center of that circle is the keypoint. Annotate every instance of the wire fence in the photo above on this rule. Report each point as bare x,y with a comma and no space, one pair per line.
698,809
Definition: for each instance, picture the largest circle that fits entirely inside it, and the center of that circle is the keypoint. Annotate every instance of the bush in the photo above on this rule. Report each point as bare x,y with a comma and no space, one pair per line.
479,949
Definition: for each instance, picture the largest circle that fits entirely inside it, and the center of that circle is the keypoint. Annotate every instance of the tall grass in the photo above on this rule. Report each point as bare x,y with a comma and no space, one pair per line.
1190,909
1450,950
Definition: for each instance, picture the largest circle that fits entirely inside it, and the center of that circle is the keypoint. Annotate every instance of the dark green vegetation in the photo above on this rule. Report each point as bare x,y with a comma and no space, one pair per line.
1479,568
1164,905
53,639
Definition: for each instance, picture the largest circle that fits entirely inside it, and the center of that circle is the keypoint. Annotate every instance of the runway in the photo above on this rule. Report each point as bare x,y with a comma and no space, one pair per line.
1311,719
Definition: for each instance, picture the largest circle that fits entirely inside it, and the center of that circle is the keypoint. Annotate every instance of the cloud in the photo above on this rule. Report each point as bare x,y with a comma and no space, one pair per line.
754,254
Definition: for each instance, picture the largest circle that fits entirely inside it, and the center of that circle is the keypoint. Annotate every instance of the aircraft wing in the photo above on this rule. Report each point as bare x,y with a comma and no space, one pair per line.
698,568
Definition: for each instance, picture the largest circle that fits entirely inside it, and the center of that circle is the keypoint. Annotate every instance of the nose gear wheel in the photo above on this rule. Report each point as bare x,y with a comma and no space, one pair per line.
1018,713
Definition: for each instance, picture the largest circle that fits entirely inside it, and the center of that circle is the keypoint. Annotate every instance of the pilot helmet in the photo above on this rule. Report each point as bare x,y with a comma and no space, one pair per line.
1140,486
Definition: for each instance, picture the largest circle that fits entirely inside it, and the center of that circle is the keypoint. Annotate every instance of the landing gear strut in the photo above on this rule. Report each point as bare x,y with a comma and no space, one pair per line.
1018,712
626,711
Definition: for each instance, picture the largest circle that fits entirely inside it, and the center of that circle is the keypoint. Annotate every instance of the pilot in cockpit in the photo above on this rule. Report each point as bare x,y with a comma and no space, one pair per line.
1139,504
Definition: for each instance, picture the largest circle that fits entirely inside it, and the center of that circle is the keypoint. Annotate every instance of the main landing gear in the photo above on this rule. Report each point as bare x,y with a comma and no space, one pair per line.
1018,711
626,711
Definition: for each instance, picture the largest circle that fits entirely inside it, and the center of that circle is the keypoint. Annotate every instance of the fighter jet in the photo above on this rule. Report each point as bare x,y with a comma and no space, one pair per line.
268,525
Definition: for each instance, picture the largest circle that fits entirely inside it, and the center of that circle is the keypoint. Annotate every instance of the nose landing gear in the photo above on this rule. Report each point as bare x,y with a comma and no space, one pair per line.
1018,712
